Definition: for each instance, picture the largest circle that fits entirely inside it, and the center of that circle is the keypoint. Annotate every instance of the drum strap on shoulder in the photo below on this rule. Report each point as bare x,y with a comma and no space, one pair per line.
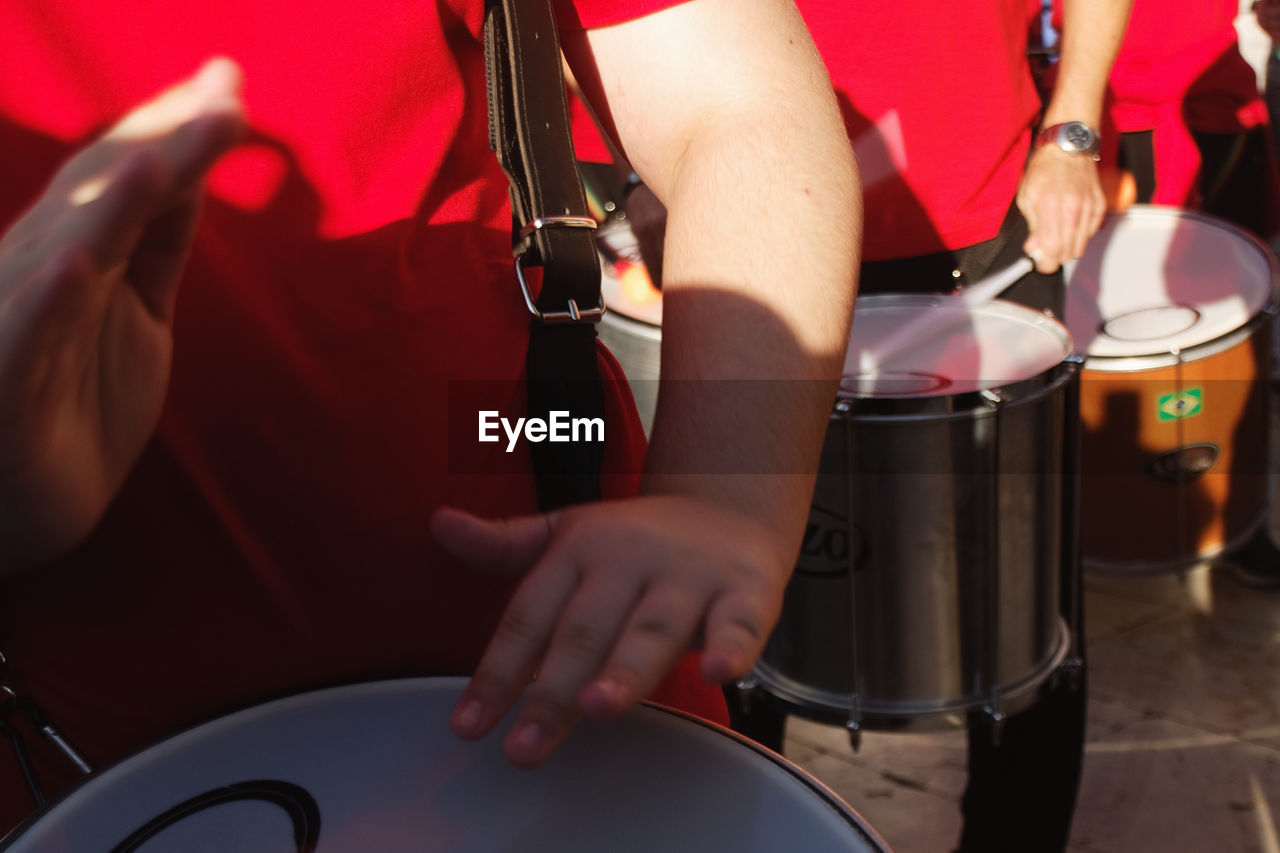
552,230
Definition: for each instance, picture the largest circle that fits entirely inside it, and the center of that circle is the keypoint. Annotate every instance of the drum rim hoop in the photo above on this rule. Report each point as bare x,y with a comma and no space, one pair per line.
967,405
1007,696
1268,310
842,809
968,399
1199,352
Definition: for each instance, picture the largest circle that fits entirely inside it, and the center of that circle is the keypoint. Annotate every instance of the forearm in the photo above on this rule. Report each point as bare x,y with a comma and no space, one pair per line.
757,301
1091,35
754,164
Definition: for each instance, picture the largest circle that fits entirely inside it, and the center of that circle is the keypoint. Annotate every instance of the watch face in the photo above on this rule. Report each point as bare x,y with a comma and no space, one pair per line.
1077,136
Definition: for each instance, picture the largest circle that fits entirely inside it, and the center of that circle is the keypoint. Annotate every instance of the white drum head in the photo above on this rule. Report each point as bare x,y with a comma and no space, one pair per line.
909,345
1154,280
374,767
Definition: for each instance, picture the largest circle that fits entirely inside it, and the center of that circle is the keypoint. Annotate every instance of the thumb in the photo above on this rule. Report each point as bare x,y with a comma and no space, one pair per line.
508,546
1032,247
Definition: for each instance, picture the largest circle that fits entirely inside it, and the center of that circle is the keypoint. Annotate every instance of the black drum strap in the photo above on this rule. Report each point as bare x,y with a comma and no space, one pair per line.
529,132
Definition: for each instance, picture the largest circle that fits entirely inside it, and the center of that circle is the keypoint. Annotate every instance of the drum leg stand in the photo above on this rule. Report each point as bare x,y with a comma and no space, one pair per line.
854,723
752,715
1072,667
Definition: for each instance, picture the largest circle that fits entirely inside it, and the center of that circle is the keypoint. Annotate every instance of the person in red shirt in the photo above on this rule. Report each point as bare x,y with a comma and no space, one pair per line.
228,464
1193,131
1267,13
1189,122
964,171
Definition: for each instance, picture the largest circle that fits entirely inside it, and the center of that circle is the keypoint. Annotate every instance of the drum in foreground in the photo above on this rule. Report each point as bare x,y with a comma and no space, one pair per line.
929,578
374,767
1171,309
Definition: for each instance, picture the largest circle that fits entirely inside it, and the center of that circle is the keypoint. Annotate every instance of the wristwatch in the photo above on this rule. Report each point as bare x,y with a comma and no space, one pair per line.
1074,137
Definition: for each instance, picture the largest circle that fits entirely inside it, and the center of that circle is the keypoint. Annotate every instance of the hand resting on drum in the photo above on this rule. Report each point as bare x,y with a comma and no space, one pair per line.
613,594
88,279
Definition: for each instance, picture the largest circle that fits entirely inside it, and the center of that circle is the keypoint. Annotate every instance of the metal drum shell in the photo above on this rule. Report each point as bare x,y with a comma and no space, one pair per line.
958,508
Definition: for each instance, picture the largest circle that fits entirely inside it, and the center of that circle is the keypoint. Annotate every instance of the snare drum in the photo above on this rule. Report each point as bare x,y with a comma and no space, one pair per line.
929,579
1171,309
374,767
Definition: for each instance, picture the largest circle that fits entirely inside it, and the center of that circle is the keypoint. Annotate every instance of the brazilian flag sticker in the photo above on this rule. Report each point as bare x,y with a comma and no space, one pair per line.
1180,404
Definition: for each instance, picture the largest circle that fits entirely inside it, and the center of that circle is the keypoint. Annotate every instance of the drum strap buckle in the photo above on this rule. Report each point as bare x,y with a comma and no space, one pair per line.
574,312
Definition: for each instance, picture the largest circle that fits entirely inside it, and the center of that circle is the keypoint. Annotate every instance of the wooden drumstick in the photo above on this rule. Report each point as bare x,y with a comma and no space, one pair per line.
930,324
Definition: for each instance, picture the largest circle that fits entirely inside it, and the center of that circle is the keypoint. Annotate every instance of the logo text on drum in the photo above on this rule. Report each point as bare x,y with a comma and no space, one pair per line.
560,427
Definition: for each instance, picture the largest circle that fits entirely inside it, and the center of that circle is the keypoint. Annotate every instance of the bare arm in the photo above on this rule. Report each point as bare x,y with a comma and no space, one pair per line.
1061,195
754,166
724,108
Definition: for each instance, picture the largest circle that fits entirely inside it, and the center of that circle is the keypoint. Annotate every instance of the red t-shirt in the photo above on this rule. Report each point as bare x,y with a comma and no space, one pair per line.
354,260
1179,69
938,99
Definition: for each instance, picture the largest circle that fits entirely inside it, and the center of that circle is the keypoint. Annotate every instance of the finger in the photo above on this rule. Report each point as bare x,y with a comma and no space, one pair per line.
108,225
65,214
1041,247
213,90
1092,210
1034,252
156,264
516,648
108,194
584,636
157,258
1071,227
1031,246
1069,213
190,125
507,546
56,308
1025,199
68,275
1081,236
660,630
737,628
192,147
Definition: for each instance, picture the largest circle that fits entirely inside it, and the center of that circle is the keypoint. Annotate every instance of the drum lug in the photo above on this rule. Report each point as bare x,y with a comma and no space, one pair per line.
854,728
748,691
1073,671
995,719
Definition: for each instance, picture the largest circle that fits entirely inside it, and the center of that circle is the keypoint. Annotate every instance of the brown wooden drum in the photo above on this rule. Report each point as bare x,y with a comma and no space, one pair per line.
1172,311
